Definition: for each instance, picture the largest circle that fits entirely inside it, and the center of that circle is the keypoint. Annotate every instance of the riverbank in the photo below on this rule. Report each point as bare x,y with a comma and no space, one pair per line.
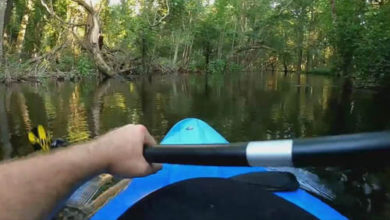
36,75
27,75
17,73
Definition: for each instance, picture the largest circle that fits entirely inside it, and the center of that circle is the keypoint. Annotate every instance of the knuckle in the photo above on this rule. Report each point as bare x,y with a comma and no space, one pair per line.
141,128
129,125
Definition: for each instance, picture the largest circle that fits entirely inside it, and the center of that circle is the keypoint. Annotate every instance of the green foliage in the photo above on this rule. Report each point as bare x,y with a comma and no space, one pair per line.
13,26
32,43
235,67
372,56
81,65
84,65
196,65
66,62
217,66
349,37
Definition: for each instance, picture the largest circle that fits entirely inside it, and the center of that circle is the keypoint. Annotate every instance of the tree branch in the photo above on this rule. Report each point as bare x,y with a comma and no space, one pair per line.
284,7
163,17
85,5
53,51
254,47
50,10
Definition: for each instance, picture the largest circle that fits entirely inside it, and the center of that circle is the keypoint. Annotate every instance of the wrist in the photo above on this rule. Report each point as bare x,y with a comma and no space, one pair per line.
94,153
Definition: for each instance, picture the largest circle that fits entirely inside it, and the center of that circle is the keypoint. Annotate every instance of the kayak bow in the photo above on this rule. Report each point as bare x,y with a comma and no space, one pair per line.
194,132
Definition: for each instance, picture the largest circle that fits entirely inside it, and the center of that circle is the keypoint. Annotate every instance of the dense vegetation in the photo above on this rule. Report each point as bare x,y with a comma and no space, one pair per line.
71,38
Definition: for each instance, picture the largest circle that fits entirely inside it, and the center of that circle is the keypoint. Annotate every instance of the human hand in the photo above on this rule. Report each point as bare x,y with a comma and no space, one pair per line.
122,149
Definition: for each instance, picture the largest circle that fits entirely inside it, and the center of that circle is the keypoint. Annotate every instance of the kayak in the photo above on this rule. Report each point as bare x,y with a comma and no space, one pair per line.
195,131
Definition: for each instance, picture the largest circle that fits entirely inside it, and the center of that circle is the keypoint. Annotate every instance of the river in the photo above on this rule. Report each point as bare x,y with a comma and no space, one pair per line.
241,106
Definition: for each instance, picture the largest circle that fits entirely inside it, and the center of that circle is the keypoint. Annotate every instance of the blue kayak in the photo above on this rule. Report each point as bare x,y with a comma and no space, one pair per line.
195,131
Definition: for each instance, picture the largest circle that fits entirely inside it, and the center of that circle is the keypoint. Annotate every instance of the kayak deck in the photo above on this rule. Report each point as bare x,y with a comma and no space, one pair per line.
195,131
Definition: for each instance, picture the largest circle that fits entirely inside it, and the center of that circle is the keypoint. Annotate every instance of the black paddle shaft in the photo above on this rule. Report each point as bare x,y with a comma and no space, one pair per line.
364,149
212,154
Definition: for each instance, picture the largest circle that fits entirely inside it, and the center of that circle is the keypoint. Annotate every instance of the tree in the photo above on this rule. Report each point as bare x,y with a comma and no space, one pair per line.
91,35
23,25
3,6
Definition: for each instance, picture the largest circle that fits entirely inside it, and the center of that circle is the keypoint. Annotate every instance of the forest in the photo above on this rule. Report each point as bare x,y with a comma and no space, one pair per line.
70,39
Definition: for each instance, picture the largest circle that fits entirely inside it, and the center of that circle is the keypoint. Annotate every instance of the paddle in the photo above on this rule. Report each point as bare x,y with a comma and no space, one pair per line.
363,149
39,138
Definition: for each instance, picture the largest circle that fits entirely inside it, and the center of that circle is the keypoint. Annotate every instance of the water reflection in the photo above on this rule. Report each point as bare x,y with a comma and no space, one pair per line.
6,148
252,106
77,119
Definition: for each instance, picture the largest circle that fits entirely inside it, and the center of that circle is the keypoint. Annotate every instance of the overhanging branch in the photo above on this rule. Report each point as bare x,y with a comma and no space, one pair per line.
85,5
50,10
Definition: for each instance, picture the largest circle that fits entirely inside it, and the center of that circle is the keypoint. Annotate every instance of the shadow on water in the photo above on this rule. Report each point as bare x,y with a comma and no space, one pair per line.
4,131
242,107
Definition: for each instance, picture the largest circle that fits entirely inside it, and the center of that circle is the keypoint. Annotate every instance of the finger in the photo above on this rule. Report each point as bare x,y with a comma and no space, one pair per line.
149,169
156,166
149,140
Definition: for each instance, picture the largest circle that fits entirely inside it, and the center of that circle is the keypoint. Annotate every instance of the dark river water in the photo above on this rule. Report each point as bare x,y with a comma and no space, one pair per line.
241,106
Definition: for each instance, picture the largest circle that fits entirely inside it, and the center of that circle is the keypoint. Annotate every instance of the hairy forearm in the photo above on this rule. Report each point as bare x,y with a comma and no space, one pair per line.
31,188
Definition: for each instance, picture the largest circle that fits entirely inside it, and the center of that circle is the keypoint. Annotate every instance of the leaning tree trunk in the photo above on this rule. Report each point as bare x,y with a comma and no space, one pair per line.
92,35
92,38
92,43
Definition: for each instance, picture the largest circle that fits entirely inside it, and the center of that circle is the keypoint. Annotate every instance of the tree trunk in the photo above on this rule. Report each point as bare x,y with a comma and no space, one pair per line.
234,38
285,67
220,44
175,53
333,12
300,42
23,26
308,61
145,70
3,6
6,39
184,53
206,53
300,49
308,49
92,38
189,53
93,35
8,12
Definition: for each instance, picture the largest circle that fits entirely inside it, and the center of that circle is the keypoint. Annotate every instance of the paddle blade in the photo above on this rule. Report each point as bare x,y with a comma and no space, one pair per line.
32,138
43,138
42,133
39,138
